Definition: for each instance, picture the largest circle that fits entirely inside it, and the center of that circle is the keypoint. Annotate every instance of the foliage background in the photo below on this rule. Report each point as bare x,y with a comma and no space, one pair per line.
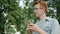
14,14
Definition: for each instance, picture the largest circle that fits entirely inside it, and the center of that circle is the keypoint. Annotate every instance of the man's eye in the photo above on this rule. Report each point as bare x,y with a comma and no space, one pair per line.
40,8
35,8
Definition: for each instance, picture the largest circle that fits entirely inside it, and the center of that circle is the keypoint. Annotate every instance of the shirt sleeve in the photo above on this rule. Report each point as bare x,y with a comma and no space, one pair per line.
55,27
34,33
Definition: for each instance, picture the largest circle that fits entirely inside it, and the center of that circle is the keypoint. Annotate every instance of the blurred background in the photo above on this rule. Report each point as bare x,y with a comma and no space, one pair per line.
15,13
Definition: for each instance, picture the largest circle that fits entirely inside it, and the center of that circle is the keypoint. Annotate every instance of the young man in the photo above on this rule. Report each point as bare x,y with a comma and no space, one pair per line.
45,25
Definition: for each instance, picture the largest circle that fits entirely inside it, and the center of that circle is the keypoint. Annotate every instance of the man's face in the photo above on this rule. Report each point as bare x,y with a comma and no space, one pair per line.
38,10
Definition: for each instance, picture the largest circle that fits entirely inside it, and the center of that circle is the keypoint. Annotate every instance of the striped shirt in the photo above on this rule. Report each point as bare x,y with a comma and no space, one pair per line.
50,25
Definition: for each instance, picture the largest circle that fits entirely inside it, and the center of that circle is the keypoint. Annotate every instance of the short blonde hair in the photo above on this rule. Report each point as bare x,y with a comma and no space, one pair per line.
43,4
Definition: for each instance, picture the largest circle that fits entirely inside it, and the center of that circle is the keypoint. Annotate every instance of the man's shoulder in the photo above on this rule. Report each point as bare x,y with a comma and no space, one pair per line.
51,19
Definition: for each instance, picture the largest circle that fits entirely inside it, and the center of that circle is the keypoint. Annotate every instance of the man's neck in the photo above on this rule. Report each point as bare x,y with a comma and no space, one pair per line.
42,17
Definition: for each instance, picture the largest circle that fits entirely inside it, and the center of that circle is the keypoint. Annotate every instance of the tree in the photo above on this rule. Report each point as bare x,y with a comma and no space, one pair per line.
1,21
57,5
14,18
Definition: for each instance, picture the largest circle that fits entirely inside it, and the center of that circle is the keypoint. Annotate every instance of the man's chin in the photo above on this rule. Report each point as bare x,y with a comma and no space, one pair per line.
37,16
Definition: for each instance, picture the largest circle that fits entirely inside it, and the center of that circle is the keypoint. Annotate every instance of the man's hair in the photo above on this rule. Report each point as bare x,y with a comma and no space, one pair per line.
43,4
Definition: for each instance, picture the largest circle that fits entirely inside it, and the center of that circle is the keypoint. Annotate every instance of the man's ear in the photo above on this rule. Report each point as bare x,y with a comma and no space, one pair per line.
44,10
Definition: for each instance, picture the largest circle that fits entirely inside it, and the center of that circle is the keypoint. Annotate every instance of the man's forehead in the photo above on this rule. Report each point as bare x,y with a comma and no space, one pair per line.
37,6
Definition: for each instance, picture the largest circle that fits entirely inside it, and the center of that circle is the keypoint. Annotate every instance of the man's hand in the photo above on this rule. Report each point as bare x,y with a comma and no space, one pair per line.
32,27
35,28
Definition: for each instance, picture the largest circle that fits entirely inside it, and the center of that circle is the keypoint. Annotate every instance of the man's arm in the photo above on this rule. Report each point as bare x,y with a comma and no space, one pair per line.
37,29
55,28
30,32
41,31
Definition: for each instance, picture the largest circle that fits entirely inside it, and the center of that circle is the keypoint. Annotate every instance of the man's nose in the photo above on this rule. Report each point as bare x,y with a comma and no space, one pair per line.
34,10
